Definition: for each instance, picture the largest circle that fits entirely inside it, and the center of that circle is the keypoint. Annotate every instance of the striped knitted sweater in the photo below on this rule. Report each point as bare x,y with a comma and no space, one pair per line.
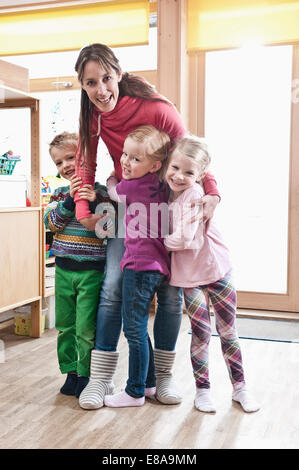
74,246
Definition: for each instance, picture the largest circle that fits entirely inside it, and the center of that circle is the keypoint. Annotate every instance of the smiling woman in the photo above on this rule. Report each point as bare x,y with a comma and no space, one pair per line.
101,86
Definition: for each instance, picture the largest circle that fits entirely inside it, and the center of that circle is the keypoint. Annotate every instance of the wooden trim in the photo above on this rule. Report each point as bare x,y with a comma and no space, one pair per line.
36,318
6,323
14,76
38,85
153,6
19,304
172,57
47,84
197,79
294,196
262,314
19,209
19,103
267,315
35,157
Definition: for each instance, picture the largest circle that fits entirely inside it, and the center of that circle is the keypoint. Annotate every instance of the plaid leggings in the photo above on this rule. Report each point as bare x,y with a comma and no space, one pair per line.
223,297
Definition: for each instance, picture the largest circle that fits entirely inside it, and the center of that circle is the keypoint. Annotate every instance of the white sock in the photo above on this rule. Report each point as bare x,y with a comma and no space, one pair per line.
203,401
122,400
246,400
150,392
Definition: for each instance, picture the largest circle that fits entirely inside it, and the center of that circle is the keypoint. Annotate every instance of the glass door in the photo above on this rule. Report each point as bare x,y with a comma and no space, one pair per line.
249,121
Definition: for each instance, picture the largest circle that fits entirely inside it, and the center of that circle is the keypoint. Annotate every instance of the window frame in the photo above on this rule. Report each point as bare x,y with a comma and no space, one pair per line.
288,302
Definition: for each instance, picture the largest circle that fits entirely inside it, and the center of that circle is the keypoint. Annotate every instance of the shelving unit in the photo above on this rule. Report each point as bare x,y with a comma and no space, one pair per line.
47,291
21,242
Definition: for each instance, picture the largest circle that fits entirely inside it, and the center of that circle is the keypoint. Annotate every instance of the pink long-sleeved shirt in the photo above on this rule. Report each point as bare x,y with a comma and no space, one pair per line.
114,126
198,257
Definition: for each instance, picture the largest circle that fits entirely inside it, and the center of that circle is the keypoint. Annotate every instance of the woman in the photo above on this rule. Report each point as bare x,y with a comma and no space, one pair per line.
113,104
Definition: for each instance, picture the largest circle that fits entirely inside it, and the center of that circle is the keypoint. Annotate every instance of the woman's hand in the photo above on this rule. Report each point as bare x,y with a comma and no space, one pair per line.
209,204
87,192
90,222
75,183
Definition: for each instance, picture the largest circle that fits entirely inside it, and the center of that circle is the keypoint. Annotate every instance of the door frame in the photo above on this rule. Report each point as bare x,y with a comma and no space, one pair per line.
288,302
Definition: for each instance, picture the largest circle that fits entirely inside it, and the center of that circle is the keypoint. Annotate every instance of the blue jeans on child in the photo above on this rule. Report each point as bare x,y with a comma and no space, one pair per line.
139,288
109,320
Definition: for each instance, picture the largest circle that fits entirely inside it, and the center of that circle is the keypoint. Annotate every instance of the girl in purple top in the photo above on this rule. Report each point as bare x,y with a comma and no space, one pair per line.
146,263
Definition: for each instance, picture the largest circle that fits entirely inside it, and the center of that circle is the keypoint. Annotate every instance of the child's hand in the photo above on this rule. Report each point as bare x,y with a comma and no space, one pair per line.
87,192
112,173
90,222
75,183
208,203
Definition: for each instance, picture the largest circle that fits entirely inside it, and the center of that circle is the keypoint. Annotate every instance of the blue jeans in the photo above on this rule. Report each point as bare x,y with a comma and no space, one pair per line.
139,288
109,320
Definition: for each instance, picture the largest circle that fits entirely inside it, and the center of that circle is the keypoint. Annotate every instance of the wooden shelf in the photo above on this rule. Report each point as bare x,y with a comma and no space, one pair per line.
8,93
20,209
49,291
21,234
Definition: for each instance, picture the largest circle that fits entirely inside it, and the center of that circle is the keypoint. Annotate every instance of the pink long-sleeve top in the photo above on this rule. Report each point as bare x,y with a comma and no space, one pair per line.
198,257
114,126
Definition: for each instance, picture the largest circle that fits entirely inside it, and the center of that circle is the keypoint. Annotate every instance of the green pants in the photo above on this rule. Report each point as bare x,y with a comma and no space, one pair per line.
76,301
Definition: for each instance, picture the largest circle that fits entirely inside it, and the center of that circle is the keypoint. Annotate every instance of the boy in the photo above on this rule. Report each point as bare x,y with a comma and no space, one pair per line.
79,272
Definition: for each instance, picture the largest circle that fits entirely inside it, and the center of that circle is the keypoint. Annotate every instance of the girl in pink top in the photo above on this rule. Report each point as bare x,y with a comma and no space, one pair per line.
200,264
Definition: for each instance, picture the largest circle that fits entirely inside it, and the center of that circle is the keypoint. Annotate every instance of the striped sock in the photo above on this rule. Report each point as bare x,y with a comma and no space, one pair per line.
102,367
167,391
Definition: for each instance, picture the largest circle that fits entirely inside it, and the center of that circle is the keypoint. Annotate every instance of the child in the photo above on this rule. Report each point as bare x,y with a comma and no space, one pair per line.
200,264
145,262
79,271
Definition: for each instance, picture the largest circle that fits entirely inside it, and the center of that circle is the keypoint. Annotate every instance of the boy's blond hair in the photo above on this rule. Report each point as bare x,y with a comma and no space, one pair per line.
65,139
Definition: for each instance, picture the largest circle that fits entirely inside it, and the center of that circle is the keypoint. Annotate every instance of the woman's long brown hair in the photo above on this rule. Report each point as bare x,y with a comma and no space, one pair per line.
130,85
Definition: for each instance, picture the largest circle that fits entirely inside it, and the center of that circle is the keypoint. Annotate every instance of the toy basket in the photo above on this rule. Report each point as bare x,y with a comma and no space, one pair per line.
23,320
7,165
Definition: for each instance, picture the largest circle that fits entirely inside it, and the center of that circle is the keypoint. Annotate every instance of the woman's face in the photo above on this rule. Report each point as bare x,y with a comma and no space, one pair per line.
101,86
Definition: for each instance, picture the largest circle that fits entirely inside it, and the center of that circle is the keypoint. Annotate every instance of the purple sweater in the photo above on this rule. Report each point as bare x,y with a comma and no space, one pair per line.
145,249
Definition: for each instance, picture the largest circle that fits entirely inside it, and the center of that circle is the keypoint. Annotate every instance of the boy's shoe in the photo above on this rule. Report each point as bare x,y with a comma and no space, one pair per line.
69,387
81,384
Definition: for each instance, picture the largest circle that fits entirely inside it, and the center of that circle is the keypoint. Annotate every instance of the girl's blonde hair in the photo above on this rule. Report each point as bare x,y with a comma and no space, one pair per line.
193,147
156,143
65,139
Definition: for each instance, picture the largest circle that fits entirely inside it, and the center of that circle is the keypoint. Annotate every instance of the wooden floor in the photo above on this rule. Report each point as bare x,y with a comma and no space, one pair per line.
34,415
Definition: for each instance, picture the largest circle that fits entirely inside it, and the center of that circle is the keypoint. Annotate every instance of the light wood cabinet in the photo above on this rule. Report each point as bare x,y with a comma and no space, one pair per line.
21,236
46,263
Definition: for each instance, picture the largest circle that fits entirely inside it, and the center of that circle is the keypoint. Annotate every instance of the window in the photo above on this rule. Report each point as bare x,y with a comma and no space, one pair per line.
247,124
